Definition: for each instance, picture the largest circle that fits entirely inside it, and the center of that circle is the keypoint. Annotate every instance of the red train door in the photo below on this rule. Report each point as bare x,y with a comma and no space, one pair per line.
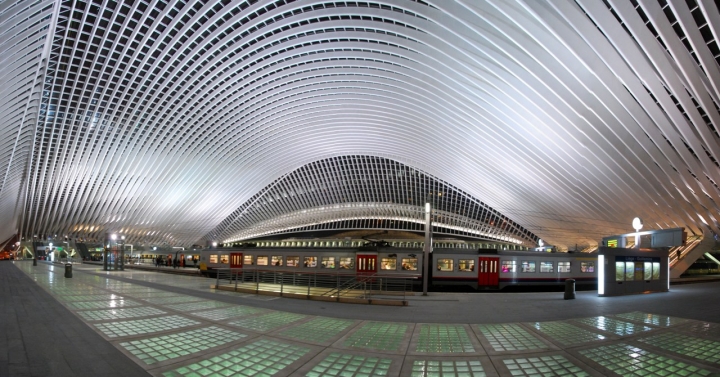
236,260
366,264
488,272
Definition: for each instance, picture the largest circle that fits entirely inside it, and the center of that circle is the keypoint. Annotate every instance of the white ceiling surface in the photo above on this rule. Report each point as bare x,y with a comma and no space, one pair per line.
544,110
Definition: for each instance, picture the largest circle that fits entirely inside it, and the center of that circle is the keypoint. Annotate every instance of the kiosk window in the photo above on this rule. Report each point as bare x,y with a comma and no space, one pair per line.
547,267
328,262
310,262
276,260
466,265
587,266
262,260
507,266
445,265
409,264
388,264
224,259
629,271
648,271
293,261
213,259
563,266
346,263
619,271
527,266
656,271
248,260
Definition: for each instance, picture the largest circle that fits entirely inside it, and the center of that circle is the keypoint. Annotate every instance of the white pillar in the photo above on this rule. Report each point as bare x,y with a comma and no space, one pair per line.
427,249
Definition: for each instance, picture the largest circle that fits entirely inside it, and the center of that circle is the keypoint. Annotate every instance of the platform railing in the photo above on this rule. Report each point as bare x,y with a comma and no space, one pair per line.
327,283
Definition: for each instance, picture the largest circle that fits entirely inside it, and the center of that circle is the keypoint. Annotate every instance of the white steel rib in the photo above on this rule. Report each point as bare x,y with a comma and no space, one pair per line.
167,121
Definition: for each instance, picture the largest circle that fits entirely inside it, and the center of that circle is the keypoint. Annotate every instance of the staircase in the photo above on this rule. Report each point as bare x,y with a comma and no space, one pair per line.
682,257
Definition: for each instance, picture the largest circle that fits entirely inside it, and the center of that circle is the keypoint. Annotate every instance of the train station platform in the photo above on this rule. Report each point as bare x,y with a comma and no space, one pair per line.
175,325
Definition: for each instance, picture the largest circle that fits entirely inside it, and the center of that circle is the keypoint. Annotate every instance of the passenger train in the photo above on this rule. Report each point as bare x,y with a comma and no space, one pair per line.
482,269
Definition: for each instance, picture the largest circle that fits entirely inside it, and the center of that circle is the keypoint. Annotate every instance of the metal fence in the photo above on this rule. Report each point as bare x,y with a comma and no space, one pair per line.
326,284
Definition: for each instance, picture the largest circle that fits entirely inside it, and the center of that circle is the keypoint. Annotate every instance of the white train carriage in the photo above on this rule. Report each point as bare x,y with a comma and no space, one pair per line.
344,261
500,269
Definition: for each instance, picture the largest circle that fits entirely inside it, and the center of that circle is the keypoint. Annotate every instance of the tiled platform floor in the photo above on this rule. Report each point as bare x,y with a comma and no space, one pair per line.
199,333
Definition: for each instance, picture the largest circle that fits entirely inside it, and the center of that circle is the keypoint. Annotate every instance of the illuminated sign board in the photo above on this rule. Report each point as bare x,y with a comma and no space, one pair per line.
612,243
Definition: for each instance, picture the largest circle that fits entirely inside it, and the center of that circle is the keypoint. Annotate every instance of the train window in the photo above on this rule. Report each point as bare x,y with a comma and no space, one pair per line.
388,264
619,271
213,258
310,262
507,266
587,266
224,259
445,265
262,260
293,261
527,266
466,265
346,263
248,260
547,267
656,271
276,260
563,266
328,262
409,264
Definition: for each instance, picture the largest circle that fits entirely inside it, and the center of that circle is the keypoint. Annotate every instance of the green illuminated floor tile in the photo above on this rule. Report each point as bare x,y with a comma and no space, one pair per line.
105,297
261,358
338,364
171,346
225,313
652,319
621,328
424,368
318,329
705,328
566,333
144,326
267,322
99,315
200,305
102,304
703,349
172,299
443,338
554,365
510,337
628,360
378,335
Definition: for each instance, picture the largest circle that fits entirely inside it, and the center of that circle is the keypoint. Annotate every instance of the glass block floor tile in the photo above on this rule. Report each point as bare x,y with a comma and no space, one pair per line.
144,326
318,329
621,328
260,358
225,313
338,364
566,333
510,337
705,328
652,319
99,315
627,360
106,297
703,349
171,346
423,368
172,299
102,304
200,305
555,365
443,338
378,335
267,322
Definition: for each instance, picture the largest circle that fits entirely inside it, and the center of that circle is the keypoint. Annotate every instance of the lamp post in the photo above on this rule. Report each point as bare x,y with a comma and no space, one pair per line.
427,249
34,250
51,250
637,224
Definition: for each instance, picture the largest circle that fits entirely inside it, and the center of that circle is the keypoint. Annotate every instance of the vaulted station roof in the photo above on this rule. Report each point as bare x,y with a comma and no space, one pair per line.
168,120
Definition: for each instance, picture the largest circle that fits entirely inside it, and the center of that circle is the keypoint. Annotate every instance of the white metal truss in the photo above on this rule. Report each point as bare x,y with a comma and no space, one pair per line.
160,119
353,192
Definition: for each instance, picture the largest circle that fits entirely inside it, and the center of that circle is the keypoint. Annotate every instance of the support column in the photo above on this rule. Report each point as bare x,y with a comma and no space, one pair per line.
427,249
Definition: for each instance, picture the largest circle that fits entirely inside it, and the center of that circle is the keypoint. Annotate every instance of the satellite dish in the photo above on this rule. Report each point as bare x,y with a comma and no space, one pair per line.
637,224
